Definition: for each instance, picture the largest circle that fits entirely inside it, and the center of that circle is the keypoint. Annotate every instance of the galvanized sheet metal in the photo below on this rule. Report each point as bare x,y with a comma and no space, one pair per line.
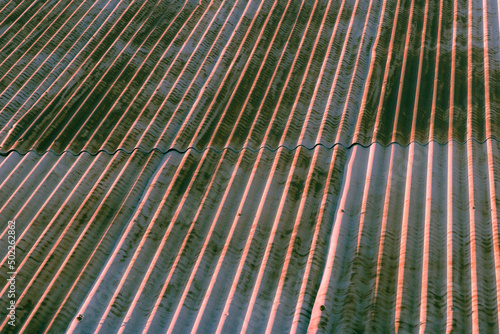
114,74
323,166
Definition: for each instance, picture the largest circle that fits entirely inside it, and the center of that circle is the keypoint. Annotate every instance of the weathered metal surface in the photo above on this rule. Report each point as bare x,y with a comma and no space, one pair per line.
372,238
115,74
263,165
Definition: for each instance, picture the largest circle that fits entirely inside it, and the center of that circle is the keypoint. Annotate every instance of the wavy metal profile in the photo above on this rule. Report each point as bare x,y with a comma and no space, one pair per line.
251,166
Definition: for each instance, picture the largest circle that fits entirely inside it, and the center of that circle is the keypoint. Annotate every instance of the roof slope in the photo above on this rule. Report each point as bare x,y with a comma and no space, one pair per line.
110,75
374,238
226,165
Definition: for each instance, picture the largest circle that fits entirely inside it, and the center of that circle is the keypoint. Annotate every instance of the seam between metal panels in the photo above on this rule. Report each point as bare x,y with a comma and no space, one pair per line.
191,148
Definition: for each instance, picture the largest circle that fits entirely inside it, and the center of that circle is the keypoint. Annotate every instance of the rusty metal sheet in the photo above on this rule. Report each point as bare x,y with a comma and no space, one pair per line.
250,166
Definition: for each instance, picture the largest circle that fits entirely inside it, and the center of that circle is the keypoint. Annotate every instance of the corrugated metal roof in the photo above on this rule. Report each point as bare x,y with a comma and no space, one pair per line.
115,74
225,165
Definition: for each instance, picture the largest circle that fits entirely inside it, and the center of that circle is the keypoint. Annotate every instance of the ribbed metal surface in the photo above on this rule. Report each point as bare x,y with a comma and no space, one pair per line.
106,75
278,165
